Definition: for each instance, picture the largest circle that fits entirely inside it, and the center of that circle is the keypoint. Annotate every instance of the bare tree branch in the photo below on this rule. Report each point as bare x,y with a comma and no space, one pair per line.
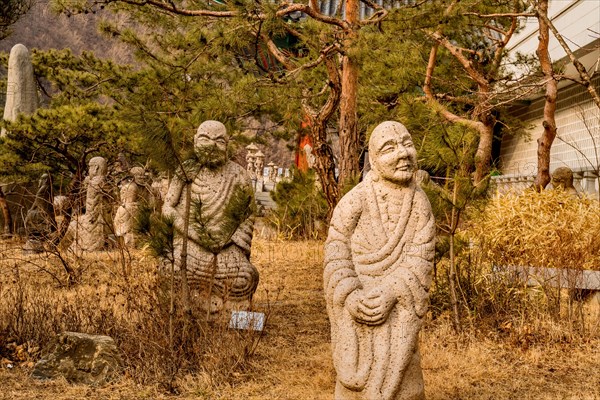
457,52
500,49
171,7
500,15
447,114
585,77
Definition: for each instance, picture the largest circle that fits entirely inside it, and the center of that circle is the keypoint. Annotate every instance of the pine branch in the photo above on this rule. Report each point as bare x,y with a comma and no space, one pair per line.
447,114
172,8
500,15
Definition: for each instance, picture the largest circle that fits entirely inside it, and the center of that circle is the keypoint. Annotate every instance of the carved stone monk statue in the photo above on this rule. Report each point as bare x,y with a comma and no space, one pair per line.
133,193
378,264
220,222
92,228
40,223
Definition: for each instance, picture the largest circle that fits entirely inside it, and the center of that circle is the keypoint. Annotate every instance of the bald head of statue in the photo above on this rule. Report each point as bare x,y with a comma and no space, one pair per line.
392,153
210,144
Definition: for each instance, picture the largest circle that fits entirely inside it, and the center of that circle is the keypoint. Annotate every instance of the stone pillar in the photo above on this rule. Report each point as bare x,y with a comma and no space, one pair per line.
21,98
21,89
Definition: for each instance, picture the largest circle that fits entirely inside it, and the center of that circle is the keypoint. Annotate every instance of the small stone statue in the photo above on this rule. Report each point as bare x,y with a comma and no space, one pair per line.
218,265
250,167
251,160
272,171
562,177
378,264
92,228
39,221
259,164
422,177
310,157
133,193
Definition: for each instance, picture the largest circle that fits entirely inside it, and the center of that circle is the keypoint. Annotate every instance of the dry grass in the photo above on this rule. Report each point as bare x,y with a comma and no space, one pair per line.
547,229
293,359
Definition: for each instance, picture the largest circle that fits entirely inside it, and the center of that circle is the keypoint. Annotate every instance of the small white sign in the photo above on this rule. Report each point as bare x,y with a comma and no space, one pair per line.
247,320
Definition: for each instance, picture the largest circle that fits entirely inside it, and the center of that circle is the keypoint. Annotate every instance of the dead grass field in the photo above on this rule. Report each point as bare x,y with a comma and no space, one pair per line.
293,362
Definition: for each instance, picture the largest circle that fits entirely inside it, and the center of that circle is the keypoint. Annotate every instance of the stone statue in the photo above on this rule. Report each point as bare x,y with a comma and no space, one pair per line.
218,265
250,164
40,223
422,177
251,160
21,98
133,193
378,264
259,164
310,157
272,171
563,178
91,229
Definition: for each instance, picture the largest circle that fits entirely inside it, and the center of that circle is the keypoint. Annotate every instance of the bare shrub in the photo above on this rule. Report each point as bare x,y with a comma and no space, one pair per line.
126,298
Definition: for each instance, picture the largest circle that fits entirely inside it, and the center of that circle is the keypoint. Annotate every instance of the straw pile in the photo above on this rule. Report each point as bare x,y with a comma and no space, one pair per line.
548,229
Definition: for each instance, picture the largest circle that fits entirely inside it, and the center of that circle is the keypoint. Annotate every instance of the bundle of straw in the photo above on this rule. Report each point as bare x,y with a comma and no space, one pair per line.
548,229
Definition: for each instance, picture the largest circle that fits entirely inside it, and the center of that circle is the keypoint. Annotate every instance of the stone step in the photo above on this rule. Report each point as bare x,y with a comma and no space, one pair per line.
264,199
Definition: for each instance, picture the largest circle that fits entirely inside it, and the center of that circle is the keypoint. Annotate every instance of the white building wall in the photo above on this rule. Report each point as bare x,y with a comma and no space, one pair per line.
578,21
577,145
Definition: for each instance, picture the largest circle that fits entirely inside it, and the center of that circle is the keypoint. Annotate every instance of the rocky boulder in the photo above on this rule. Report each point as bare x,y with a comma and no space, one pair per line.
80,358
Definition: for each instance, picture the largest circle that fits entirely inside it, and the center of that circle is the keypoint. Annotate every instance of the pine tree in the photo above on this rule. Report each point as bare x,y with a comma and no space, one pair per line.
78,122
325,43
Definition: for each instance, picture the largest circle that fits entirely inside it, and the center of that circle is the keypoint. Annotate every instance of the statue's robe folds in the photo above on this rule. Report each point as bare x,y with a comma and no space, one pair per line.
228,274
379,239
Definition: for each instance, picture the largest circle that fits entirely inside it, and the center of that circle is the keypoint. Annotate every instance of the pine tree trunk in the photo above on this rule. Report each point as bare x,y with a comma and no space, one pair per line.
324,158
452,274
350,144
325,165
483,155
7,228
184,250
545,141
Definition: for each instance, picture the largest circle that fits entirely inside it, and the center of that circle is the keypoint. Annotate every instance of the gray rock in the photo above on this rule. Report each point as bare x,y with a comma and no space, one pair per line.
80,358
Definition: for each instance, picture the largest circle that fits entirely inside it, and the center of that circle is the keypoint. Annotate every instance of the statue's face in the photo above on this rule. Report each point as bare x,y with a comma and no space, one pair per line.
393,155
210,144
211,135
139,175
97,167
